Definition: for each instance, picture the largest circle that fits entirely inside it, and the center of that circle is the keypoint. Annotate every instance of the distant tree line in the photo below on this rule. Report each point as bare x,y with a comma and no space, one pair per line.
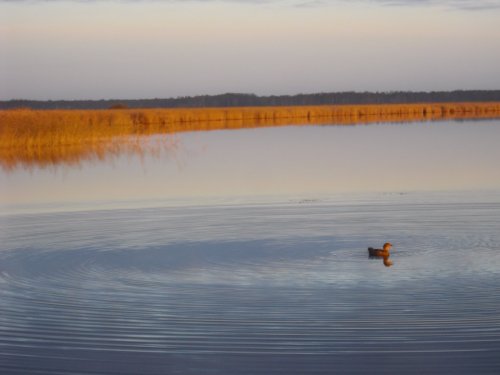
247,100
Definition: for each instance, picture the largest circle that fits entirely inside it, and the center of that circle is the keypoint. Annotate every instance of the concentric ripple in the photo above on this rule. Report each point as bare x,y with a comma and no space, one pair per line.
258,289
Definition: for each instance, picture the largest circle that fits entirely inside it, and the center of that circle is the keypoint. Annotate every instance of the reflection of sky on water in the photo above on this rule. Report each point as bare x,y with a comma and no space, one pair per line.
273,289
290,161
263,286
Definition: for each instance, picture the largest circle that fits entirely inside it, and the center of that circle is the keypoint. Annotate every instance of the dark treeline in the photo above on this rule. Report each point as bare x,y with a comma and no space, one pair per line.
247,100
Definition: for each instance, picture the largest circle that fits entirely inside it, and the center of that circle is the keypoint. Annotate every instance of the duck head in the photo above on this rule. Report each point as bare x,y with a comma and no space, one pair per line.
387,246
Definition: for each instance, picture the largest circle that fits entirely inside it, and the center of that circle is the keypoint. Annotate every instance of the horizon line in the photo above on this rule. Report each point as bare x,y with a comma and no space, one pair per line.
256,95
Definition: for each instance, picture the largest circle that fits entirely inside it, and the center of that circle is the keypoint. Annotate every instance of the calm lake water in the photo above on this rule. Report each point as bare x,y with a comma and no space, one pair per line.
244,252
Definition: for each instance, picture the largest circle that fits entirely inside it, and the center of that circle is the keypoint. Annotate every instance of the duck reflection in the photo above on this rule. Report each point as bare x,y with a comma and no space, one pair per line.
383,253
387,262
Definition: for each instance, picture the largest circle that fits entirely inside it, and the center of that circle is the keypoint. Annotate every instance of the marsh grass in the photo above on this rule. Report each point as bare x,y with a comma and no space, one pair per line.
38,137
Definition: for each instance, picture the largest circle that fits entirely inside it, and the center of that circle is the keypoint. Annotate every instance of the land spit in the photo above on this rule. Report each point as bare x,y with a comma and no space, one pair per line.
49,136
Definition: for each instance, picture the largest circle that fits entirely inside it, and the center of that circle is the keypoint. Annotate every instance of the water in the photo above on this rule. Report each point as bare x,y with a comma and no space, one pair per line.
271,288
303,162
263,284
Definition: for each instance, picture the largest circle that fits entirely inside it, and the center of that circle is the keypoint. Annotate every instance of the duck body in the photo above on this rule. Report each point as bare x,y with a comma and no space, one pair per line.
380,252
377,252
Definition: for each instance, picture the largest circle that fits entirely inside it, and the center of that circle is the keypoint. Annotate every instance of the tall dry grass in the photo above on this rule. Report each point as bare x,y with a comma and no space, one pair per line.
54,136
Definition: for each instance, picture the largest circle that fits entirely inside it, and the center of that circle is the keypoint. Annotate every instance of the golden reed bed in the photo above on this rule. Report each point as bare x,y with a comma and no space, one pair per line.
50,137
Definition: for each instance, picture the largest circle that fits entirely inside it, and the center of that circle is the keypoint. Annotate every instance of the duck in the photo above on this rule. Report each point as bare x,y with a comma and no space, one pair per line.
385,252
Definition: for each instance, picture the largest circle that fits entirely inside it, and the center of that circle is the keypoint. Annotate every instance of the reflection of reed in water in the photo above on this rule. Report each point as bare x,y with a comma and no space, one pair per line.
42,156
41,138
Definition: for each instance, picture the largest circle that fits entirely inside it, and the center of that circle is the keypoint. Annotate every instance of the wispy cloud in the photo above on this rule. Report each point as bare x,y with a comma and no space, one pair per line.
460,4
457,4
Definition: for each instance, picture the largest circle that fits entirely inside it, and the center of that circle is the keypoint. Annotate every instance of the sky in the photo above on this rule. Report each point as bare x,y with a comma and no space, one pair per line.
63,49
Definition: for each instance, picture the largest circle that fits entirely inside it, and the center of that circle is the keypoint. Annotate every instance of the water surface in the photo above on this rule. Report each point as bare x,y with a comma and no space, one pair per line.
255,283
269,288
300,161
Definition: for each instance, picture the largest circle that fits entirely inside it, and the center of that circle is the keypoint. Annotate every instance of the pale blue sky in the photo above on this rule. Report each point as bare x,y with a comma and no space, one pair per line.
144,49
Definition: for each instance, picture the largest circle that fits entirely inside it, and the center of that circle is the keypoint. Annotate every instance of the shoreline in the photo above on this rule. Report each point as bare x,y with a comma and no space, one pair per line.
45,137
30,123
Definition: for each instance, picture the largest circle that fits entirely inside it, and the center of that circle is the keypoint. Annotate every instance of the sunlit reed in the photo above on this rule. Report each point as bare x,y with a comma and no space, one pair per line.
51,137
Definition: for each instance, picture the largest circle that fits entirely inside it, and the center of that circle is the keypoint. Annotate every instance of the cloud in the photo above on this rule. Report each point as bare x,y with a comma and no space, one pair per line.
456,4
